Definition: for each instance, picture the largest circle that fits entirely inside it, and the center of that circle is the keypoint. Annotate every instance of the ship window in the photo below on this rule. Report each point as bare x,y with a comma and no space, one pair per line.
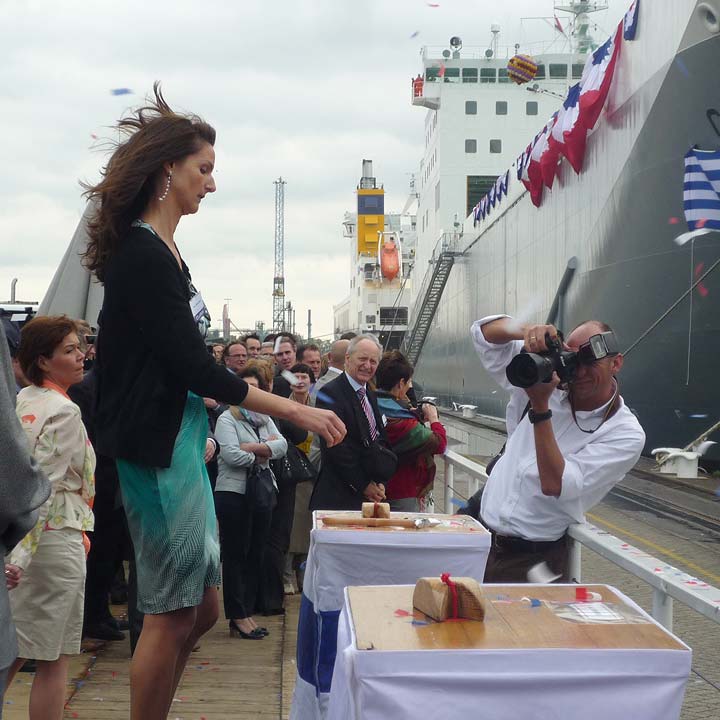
393,315
371,204
470,107
577,70
368,270
437,196
496,146
370,319
558,70
452,74
477,186
432,74
531,107
469,75
471,146
501,107
487,75
503,75
540,74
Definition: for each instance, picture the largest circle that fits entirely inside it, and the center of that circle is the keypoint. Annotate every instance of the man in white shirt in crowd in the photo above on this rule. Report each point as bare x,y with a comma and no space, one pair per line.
563,456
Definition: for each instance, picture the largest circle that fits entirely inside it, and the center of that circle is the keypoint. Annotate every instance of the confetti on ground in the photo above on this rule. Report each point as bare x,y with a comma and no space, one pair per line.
433,4
419,622
121,91
402,613
441,71
114,674
93,136
415,34
673,220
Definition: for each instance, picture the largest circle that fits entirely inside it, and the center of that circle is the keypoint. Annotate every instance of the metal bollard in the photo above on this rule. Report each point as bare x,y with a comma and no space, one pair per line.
662,608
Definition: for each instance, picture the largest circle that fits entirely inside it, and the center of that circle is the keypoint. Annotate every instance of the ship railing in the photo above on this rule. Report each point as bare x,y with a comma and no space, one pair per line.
667,582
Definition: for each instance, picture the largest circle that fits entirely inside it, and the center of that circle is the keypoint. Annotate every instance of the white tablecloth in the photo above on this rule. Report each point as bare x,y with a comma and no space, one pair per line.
537,684
340,558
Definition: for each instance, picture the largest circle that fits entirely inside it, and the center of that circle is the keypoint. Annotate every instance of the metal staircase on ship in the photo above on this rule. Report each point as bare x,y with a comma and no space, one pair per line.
428,298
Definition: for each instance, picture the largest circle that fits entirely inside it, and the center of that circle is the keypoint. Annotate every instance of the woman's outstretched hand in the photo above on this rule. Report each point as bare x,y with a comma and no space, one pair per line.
322,422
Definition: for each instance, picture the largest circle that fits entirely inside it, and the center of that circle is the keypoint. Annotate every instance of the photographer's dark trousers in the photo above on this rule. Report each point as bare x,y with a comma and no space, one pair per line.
511,558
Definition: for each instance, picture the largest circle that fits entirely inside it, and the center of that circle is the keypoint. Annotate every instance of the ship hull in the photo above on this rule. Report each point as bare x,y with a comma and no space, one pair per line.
619,218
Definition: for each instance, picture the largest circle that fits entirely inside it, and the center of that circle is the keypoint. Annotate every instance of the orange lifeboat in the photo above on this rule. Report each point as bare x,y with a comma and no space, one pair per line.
389,258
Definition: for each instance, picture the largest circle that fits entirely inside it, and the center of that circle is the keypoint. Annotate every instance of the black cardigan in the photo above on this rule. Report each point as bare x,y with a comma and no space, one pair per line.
150,353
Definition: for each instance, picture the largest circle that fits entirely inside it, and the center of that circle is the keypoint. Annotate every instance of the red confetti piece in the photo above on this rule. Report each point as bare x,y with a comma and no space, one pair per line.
114,674
441,71
402,613
624,545
658,569
433,4
205,662
673,220
700,223
704,292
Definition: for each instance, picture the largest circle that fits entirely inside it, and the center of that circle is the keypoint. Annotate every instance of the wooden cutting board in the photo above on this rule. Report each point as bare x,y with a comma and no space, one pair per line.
455,523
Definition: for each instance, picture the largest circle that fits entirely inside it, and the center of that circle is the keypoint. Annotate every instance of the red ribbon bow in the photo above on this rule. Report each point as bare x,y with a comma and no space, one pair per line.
445,577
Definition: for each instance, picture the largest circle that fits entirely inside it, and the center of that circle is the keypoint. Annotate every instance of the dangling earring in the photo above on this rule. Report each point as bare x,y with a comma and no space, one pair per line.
167,187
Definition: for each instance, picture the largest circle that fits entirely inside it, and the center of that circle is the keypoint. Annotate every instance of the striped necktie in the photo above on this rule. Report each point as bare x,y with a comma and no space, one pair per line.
367,409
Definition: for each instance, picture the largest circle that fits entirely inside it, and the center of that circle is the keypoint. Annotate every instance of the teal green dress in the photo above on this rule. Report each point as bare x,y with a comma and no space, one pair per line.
172,522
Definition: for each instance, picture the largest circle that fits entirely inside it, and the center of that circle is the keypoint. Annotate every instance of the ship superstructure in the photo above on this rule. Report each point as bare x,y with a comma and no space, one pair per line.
381,258
604,236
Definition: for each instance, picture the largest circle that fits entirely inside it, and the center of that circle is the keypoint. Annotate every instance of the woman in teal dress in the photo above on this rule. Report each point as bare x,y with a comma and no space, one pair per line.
153,373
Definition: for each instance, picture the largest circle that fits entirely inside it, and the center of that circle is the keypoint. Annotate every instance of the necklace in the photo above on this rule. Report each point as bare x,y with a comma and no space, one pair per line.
611,408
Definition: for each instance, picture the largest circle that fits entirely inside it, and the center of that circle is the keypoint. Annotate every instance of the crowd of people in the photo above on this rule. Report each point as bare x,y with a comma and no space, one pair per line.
60,582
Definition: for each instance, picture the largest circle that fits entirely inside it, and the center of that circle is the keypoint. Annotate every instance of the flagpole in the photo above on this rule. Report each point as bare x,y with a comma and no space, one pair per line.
692,277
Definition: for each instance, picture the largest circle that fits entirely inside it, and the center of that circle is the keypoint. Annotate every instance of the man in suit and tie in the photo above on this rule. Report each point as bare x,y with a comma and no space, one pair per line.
356,470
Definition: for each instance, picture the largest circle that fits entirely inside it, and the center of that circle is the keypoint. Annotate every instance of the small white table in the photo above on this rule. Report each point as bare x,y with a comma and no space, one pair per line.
552,658
342,556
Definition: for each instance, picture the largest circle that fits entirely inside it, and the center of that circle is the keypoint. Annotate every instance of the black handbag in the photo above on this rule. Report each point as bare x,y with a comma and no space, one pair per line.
260,489
294,467
378,462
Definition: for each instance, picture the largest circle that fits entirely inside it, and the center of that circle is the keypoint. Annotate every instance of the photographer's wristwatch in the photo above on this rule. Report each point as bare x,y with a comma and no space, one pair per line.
535,418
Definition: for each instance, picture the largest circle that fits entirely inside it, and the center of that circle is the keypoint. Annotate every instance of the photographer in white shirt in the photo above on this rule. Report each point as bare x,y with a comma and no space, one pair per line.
563,455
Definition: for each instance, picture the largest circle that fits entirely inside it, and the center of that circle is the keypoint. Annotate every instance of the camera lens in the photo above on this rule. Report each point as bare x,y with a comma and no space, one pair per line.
528,369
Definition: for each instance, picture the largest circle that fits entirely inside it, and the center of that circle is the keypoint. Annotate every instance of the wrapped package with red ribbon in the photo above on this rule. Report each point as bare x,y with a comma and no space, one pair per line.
444,598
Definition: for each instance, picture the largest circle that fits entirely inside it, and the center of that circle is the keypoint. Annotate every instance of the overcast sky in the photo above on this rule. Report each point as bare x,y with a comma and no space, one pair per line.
302,89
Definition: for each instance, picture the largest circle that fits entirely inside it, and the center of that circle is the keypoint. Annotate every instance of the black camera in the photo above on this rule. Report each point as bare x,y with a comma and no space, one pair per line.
527,369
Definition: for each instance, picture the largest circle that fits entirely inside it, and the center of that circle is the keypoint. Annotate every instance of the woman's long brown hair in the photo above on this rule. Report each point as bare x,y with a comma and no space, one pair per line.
156,135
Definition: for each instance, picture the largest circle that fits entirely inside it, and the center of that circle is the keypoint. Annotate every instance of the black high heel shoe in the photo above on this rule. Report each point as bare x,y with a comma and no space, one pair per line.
235,631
